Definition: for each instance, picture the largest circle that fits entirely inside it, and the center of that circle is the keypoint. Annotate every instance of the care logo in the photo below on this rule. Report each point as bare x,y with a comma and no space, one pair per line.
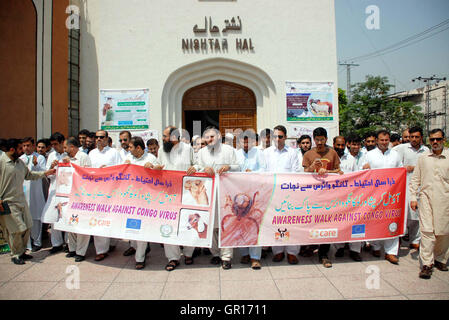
94,222
74,219
282,234
323,233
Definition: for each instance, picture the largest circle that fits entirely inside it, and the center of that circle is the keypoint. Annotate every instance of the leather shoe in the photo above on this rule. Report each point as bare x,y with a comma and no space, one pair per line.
391,258
426,272
100,257
255,264
440,266
57,249
355,256
129,252
340,253
79,258
279,257
414,246
226,265
376,253
292,259
215,260
71,254
17,261
25,256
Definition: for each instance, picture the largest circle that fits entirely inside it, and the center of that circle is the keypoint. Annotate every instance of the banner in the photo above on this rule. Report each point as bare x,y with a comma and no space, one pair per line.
131,202
263,209
310,101
124,109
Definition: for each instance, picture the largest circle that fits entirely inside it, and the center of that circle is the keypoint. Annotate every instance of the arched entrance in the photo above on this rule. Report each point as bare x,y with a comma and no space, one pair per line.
226,105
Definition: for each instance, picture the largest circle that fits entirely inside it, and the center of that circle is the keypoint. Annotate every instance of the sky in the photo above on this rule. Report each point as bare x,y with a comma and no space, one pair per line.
398,20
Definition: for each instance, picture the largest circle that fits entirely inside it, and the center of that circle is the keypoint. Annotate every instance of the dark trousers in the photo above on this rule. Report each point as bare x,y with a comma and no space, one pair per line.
323,250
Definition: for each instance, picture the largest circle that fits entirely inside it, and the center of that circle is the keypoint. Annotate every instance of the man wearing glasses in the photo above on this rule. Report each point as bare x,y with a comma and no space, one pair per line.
124,139
430,183
101,157
279,158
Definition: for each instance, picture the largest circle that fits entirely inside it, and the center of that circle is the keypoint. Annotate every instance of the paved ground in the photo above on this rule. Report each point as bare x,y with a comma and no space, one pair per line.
115,278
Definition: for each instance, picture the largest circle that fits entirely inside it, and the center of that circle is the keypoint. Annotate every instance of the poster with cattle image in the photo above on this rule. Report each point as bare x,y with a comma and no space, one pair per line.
310,101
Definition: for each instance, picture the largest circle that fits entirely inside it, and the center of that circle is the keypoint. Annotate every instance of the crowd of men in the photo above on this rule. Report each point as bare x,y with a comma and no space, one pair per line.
27,187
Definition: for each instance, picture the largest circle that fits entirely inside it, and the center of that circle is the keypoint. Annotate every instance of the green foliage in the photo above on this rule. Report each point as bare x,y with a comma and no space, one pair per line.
371,109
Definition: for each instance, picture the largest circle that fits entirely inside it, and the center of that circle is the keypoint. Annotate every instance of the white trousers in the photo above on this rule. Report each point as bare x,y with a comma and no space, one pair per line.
56,237
101,244
78,243
391,246
141,247
224,253
173,252
353,246
293,250
36,233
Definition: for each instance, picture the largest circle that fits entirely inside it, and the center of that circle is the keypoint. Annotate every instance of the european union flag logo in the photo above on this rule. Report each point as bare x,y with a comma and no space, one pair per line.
133,224
358,231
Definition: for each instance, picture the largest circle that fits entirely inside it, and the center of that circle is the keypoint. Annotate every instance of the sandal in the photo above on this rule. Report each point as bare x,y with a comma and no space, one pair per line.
140,265
172,265
101,256
188,260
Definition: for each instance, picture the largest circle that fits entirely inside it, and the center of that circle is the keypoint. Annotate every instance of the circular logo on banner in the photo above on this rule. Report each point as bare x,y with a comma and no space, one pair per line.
393,227
166,231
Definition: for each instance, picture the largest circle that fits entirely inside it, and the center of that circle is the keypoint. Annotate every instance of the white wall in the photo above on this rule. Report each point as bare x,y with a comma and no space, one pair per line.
137,44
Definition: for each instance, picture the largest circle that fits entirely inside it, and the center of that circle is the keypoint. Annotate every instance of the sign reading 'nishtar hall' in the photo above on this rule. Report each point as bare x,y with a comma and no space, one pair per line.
214,44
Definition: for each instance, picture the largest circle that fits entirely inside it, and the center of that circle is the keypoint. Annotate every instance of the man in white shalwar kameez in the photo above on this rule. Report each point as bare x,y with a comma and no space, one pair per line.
138,156
380,158
33,191
177,156
103,156
78,243
217,158
50,210
409,154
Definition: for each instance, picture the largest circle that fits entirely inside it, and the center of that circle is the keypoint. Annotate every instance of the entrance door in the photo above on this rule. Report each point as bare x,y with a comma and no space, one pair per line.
234,104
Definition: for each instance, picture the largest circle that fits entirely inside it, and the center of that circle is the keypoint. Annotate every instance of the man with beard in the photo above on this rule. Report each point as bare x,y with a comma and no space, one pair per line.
78,243
429,184
15,217
380,158
322,159
409,154
90,142
56,156
138,156
217,158
355,145
177,156
33,191
103,156
347,165
124,139
304,145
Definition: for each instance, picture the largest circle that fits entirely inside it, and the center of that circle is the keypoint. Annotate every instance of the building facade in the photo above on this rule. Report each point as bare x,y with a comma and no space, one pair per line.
222,62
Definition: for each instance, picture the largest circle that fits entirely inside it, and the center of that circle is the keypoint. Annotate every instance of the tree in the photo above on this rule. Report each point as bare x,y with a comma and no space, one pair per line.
371,109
